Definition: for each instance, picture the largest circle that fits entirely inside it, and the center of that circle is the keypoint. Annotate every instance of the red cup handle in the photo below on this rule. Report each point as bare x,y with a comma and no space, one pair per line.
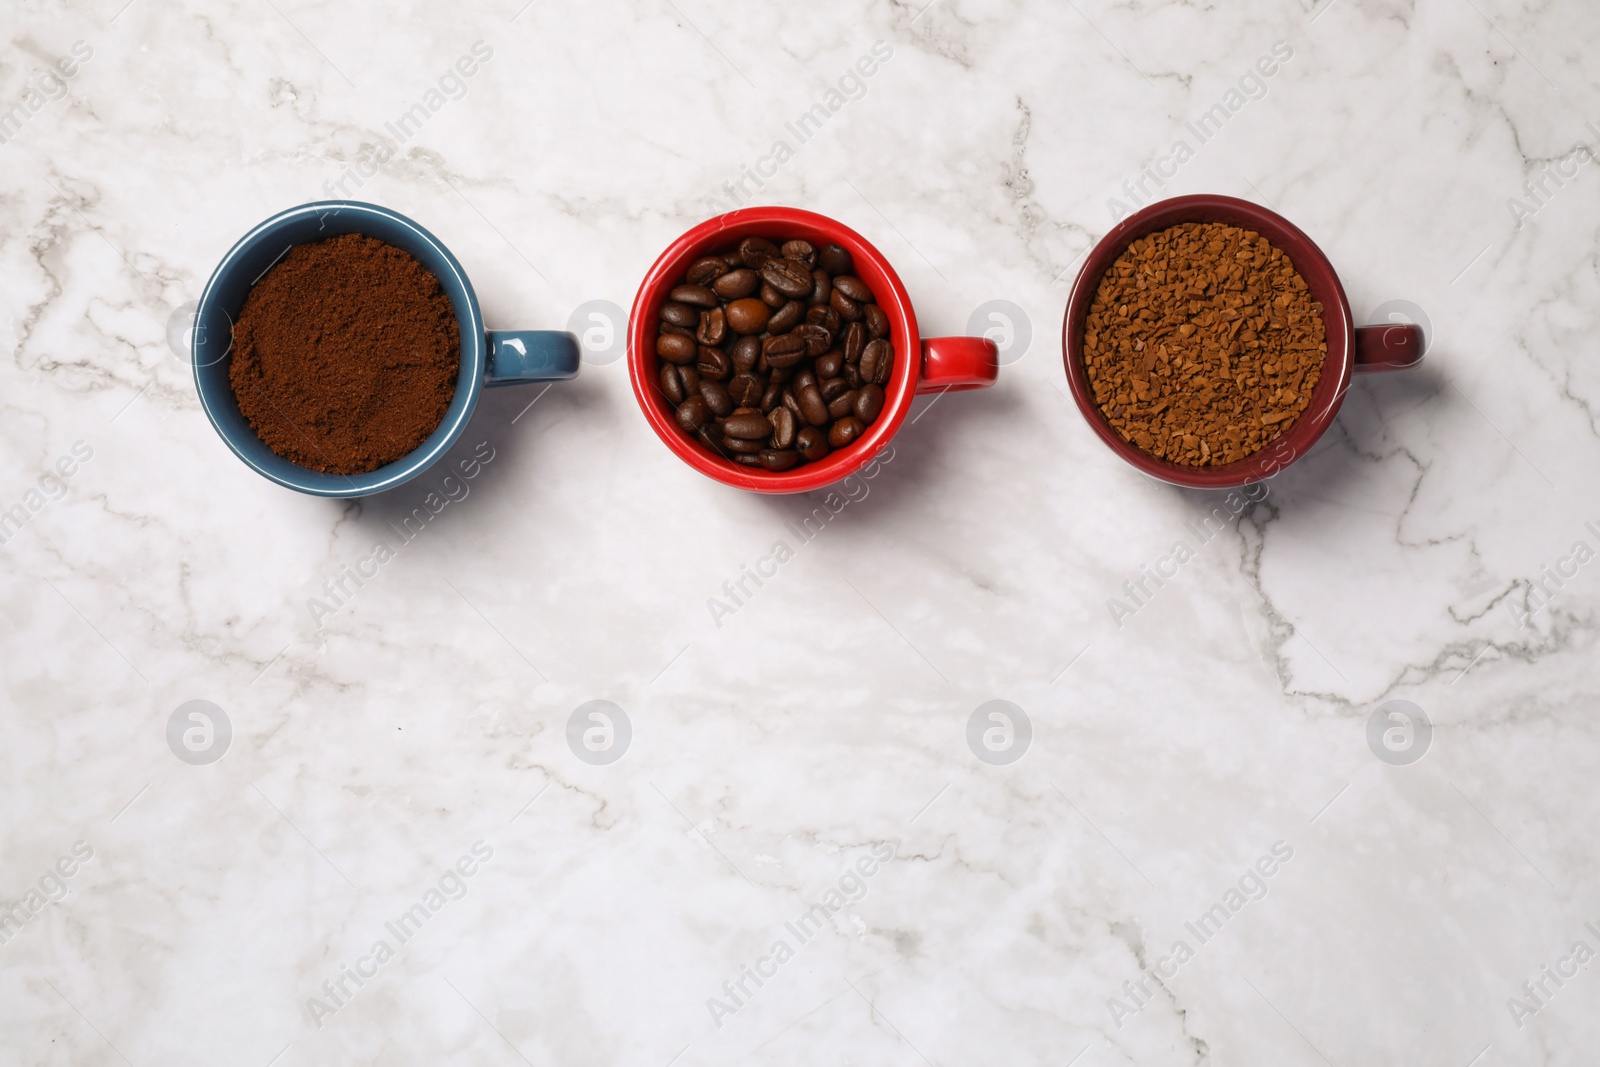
1396,347
951,364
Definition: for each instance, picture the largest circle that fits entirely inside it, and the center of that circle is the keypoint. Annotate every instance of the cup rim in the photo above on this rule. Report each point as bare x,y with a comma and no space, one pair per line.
716,233
413,463
1322,280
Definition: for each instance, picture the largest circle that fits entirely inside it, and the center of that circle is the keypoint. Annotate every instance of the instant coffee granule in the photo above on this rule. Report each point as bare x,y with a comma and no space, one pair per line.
1203,344
345,355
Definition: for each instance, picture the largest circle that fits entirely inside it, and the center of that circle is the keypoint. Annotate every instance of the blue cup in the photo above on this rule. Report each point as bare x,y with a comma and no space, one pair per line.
488,357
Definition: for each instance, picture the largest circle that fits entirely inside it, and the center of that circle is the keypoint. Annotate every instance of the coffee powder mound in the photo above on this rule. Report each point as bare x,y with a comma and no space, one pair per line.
1202,344
345,355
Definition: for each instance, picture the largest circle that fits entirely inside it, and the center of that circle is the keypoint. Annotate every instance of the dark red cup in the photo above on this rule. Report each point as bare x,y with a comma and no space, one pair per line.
1351,349
921,365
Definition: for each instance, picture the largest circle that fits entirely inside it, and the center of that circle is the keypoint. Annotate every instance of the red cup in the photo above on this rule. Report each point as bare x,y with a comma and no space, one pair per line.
932,365
1351,349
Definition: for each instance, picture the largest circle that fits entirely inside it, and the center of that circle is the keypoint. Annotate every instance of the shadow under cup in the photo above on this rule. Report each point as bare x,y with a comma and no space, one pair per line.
1350,348
244,265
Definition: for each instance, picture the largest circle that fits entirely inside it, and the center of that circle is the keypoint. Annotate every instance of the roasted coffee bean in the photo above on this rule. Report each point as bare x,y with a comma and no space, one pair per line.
812,443
844,431
675,347
785,357
821,288
694,295
784,426
772,397
848,309
736,284
746,353
671,384
875,360
745,389
804,251
694,413
785,318
774,356
713,327
812,406
785,350
707,270
717,398
825,317
869,403
885,365
855,339
853,287
754,251
877,320
748,427
680,315
779,459
714,363
817,339
835,260
790,277
748,316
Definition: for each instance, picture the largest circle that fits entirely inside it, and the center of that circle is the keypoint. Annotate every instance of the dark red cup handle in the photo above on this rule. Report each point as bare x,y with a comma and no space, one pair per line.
952,364
1388,347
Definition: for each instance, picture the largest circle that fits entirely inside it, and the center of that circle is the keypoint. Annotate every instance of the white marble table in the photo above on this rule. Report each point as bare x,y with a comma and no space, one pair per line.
1029,913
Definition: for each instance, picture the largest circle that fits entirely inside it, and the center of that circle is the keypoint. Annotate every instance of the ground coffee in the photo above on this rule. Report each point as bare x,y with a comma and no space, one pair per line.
345,355
774,355
1203,344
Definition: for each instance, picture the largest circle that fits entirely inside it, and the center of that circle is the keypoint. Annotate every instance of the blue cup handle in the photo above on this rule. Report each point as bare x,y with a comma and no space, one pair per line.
517,356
